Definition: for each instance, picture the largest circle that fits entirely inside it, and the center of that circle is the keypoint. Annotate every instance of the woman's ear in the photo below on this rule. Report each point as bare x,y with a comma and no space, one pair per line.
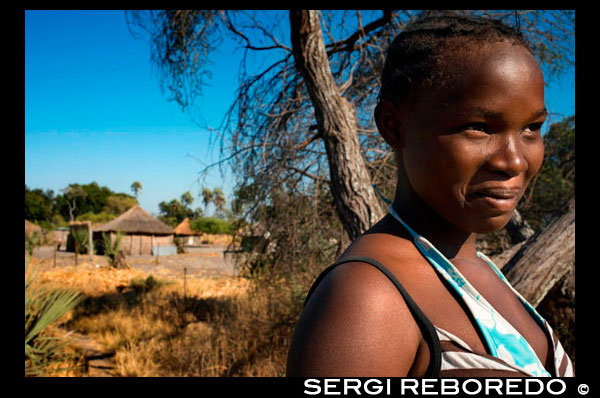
389,123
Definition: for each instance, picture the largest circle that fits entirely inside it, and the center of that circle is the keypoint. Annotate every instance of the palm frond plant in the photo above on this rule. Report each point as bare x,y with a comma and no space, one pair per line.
43,307
111,249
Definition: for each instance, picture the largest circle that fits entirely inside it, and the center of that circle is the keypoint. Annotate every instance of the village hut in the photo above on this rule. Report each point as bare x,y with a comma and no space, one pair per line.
142,233
189,236
31,228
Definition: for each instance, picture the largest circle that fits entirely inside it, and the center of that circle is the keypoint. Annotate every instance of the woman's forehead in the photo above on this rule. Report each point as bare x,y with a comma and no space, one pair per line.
498,67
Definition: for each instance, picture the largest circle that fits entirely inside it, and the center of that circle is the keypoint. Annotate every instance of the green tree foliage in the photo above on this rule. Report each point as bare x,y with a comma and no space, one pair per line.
91,198
174,212
118,204
555,183
99,218
212,225
43,307
38,205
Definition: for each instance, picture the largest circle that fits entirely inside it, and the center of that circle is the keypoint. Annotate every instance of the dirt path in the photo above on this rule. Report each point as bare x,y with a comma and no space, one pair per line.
198,262
98,361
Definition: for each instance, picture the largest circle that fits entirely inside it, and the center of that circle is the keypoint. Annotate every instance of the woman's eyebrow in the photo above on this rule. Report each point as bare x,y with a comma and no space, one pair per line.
540,113
487,113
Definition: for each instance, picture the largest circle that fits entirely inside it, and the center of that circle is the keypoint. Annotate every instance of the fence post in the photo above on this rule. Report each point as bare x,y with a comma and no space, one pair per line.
184,287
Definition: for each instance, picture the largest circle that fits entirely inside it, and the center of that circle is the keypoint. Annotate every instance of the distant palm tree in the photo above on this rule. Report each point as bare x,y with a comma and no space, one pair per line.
187,199
219,199
136,187
207,197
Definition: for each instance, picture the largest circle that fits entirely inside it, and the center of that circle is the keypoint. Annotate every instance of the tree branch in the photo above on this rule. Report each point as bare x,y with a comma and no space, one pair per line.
348,43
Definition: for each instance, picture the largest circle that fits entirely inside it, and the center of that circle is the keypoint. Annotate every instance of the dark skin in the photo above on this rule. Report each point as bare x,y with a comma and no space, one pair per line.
467,153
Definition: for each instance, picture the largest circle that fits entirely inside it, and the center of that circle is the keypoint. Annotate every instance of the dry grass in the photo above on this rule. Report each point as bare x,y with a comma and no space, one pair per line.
224,327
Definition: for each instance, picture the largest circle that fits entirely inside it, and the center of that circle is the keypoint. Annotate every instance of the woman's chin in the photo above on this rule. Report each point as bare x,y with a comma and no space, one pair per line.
492,224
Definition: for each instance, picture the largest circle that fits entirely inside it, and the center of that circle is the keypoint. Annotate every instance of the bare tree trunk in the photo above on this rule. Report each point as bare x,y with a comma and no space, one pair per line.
545,258
355,199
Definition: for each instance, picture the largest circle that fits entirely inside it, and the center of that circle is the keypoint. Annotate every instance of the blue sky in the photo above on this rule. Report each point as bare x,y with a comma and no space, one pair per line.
94,110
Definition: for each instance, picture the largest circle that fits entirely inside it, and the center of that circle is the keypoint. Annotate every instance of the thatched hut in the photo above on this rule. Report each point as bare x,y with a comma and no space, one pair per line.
142,233
185,231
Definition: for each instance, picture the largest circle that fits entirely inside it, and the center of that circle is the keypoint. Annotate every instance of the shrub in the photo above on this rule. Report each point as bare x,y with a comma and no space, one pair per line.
32,241
145,285
111,249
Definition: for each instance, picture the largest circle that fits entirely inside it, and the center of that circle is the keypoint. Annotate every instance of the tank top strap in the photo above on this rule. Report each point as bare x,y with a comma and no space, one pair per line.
425,326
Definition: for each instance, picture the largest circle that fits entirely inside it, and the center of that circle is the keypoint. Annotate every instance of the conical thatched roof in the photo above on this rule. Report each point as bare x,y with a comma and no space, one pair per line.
31,227
136,221
184,228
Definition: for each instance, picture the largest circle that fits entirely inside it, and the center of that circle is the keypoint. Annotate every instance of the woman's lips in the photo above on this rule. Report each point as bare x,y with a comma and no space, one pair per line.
499,198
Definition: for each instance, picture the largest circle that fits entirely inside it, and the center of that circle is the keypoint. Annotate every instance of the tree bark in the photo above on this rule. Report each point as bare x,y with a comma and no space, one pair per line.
545,258
354,196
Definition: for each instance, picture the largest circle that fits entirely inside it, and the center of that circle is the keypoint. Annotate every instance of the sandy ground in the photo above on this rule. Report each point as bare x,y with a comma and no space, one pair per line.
198,262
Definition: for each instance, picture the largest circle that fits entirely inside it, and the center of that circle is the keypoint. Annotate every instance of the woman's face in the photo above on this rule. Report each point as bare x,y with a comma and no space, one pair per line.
469,151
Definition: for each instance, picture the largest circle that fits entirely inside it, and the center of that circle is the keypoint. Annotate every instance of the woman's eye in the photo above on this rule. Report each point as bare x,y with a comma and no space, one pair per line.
533,129
474,129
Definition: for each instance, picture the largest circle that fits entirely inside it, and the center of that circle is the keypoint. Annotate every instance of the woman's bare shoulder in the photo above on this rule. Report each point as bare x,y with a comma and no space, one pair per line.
356,323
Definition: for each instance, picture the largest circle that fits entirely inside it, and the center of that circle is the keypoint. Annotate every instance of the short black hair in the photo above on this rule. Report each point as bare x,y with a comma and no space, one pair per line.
415,57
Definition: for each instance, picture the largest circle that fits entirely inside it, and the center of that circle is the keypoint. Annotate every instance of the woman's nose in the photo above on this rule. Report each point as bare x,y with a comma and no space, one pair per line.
507,157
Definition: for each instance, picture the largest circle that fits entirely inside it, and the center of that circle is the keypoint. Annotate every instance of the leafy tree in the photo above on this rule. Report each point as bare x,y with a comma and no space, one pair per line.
38,205
97,218
174,212
118,204
136,187
73,196
91,198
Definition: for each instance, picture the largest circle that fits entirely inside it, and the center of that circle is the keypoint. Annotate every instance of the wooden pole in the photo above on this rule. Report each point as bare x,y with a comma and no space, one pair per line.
184,287
91,243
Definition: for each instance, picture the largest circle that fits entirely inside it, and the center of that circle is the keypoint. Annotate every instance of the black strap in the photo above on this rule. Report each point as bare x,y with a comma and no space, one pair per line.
425,325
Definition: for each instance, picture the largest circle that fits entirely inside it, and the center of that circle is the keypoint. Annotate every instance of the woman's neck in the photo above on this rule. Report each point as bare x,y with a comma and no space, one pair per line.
425,221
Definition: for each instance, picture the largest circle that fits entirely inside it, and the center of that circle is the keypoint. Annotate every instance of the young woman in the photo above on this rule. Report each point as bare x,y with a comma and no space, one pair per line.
462,105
